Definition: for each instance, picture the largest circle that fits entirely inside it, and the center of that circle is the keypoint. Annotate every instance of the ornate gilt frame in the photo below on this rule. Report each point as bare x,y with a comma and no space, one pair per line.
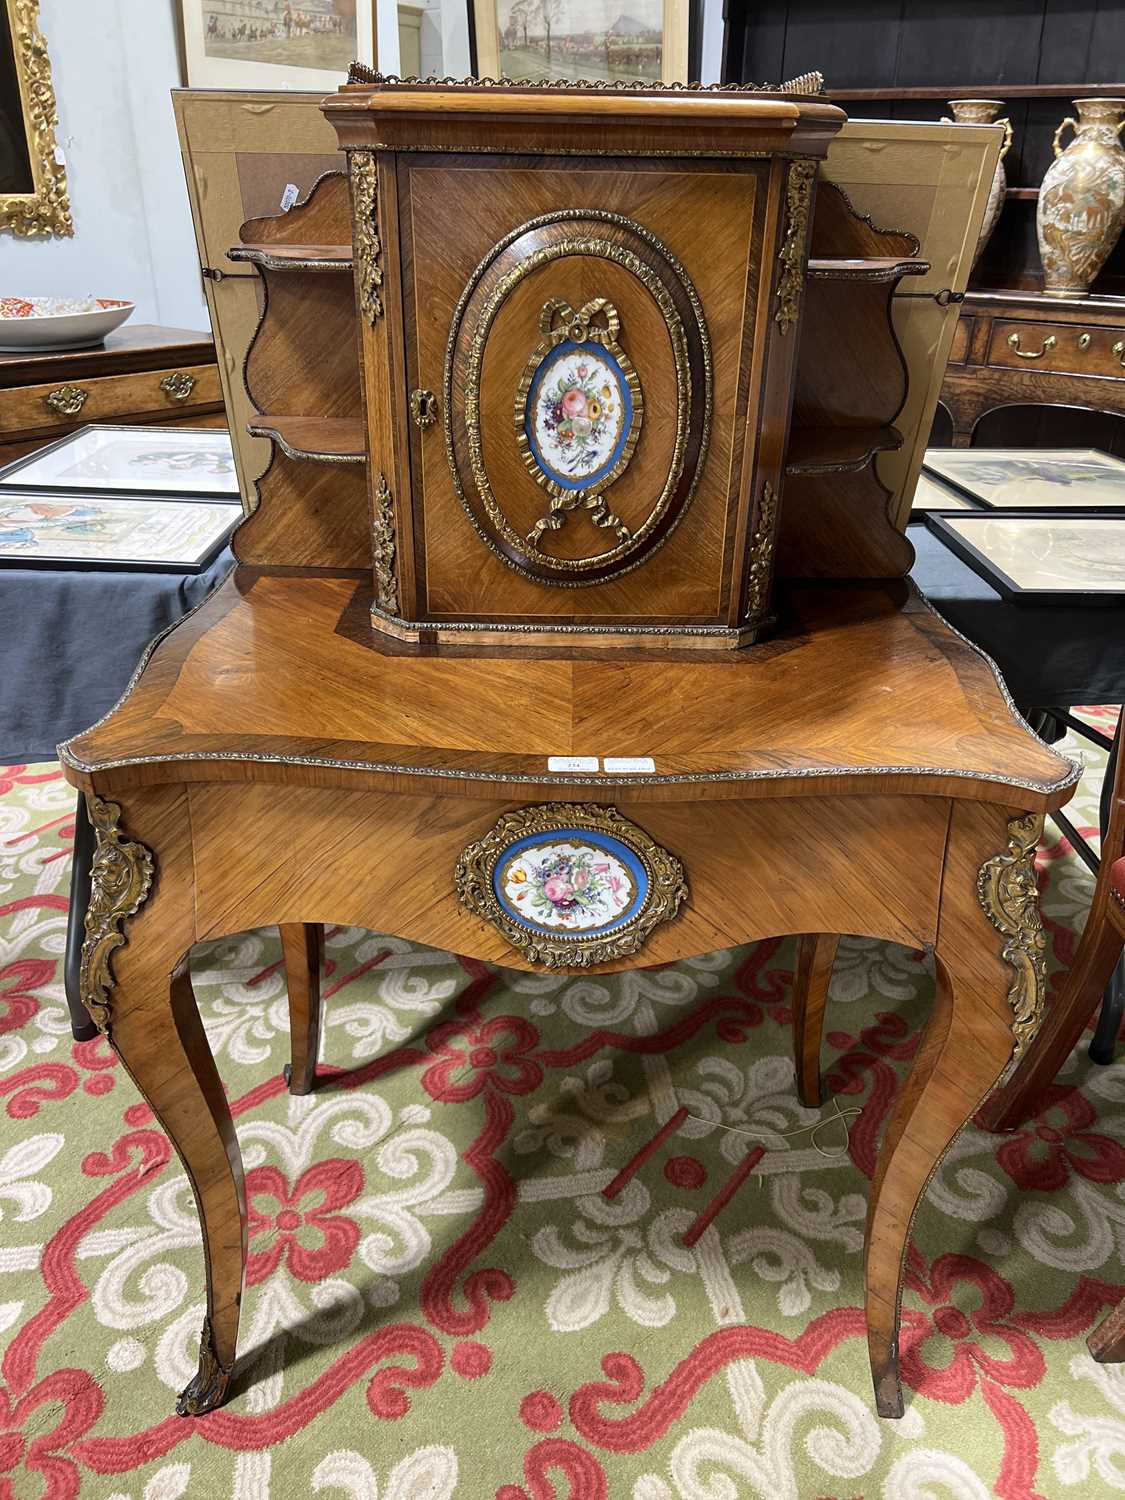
46,209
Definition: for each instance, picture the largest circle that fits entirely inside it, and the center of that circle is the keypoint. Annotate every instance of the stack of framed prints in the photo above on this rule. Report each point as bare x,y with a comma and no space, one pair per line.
121,497
1040,525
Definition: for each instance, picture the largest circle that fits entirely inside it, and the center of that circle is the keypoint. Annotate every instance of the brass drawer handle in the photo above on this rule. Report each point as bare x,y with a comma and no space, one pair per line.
178,387
1119,350
423,408
68,400
1048,344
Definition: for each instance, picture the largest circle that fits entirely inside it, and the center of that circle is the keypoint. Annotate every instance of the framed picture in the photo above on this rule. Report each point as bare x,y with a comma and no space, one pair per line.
582,39
96,531
274,44
1026,478
33,195
931,494
146,461
1041,557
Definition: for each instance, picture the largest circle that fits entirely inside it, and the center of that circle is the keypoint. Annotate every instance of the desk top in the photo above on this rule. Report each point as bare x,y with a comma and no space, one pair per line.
279,677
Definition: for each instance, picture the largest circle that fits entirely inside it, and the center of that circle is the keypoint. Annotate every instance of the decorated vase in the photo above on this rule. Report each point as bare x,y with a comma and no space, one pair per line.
1082,200
986,112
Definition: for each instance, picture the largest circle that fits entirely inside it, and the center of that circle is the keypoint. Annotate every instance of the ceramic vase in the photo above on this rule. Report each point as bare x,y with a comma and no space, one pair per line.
986,112
1082,200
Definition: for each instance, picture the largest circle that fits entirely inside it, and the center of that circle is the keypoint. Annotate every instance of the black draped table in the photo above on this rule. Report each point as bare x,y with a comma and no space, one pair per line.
70,639
1050,655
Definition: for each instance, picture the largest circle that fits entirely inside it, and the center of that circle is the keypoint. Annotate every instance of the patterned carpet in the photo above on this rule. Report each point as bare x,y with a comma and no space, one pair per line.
441,1301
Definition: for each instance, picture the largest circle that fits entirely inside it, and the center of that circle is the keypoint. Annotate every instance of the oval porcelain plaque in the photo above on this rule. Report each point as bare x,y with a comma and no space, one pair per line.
596,491
568,881
570,884
579,415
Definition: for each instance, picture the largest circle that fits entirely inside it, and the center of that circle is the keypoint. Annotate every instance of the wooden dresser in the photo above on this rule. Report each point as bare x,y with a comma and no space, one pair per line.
142,373
1022,348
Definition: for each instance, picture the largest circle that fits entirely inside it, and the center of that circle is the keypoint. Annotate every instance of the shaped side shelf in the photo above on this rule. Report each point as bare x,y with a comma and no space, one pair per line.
324,440
850,387
294,257
303,376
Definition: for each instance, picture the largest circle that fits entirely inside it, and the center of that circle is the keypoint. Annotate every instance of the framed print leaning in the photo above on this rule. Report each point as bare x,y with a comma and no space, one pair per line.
131,460
275,44
1041,557
33,195
1020,478
51,531
582,39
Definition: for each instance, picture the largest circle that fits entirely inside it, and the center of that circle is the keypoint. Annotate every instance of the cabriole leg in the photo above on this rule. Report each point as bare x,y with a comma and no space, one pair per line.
302,944
988,929
816,953
138,933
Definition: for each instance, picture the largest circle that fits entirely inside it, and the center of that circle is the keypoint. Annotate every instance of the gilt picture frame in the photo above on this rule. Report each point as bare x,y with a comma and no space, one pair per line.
33,190
605,41
274,44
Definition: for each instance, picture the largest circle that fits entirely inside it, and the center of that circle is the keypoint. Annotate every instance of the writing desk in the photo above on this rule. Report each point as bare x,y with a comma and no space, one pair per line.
867,739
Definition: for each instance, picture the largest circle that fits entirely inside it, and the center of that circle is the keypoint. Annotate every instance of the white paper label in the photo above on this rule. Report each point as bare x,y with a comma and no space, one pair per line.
572,763
620,764
289,196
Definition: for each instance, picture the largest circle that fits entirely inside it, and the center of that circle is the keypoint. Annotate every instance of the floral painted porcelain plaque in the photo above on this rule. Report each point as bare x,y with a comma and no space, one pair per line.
570,884
579,410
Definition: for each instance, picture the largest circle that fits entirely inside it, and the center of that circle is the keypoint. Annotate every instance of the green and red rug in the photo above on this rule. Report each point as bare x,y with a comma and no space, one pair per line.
442,1301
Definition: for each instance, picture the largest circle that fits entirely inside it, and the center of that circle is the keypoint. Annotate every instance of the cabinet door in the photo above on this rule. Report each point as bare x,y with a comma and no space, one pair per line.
583,325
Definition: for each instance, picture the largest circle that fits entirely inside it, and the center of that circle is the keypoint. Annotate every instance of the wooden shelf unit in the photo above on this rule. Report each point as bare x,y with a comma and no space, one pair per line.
863,268
837,450
294,257
326,440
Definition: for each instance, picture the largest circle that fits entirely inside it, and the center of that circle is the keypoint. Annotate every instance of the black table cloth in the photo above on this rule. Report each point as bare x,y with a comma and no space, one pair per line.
71,640
1050,655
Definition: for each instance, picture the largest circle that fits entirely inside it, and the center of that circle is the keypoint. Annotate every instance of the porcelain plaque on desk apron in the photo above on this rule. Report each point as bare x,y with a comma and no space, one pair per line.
570,884
595,327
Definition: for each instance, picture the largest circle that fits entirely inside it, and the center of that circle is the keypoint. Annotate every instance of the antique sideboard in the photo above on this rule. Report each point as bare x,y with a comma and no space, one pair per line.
571,595
141,373
1021,348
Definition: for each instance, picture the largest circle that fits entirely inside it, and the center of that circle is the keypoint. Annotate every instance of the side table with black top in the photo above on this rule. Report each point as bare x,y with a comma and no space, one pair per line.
1052,658
72,640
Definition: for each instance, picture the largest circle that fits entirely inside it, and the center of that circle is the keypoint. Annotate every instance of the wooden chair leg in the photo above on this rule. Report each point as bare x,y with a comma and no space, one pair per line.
964,1048
1107,1342
302,944
816,953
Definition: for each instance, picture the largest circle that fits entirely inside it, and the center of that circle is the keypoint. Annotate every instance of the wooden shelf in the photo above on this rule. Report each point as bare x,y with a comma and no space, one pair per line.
294,257
837,450
992,91
869,268
324,440
1023,194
